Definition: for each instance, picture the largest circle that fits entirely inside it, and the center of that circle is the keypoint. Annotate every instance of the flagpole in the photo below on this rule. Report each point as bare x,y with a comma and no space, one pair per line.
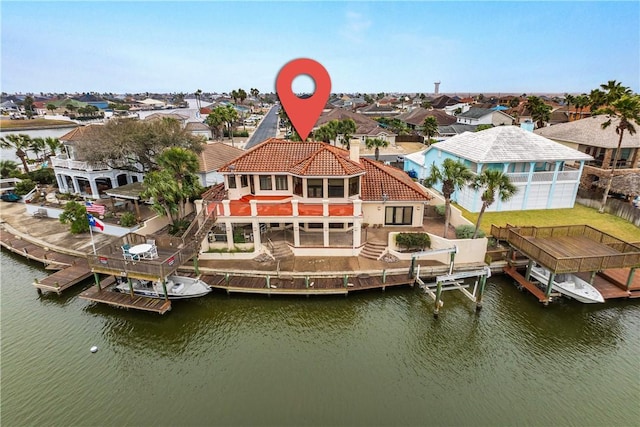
92,242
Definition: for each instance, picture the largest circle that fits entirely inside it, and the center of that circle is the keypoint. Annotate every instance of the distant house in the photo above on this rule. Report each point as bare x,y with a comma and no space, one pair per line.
199,129
587,136
365,126
484,116
546,173
182,118
443,101
377,110
319,197
414,119
77,176
212,157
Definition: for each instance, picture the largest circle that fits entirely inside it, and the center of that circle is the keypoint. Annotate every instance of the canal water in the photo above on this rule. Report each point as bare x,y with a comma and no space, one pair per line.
377,358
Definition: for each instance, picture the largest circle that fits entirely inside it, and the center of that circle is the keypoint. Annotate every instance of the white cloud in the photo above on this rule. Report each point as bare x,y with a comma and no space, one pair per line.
355,27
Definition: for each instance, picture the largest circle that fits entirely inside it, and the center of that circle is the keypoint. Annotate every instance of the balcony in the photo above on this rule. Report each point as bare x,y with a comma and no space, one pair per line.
285,207
622,164
540,177
62,161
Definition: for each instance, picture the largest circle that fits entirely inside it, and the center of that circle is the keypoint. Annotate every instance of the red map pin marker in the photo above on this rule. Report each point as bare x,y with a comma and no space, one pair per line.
303,113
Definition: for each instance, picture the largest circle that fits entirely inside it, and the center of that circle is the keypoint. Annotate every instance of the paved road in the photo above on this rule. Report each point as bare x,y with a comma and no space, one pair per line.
268,128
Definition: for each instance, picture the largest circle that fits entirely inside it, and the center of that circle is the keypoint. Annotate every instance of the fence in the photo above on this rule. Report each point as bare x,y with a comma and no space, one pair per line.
619,208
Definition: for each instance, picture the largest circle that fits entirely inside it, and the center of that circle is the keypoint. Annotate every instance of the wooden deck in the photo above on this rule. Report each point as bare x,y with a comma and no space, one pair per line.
52,260
64,279
529,286
117,299
302,286
570,249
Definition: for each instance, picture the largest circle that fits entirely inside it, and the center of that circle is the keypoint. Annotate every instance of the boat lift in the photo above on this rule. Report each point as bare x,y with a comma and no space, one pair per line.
451,281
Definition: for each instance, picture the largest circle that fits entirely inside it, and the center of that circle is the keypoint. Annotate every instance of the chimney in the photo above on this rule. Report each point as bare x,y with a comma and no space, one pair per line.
354,151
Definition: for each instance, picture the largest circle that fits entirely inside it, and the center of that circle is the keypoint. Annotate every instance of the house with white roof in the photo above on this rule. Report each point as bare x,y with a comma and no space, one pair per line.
484,116
318,196
546,173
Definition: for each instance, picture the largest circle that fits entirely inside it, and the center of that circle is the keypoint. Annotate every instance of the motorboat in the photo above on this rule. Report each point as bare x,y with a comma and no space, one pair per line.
568,285
178,287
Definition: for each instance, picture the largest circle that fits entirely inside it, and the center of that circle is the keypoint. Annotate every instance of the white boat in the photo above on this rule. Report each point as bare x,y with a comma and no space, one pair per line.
178,287
568,285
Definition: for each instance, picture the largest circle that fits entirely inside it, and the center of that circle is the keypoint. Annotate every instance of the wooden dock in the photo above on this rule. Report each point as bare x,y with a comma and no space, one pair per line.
106,295
529,286
64,279
51,259
273,285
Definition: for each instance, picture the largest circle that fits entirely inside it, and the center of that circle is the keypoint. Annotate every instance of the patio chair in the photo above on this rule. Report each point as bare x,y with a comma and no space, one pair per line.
125,252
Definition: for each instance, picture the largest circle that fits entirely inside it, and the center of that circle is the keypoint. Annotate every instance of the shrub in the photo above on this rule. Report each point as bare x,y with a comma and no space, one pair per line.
76,214
178,227
24,186
128,219
440,209
466,232
44,176
239,133
413,240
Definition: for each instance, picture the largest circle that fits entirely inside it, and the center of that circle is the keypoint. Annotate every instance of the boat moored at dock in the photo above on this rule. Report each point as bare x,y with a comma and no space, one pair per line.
178,287
568,285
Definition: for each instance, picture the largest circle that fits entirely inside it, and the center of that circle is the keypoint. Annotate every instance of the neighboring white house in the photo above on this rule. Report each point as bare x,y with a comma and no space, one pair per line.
537,166
75,175
484,116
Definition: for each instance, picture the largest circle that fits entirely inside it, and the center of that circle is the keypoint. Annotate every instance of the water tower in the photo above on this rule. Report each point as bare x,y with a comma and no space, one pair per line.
437,88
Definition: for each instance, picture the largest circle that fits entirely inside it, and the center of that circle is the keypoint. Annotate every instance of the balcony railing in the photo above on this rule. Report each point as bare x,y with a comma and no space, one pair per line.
62,161
622,164
565,175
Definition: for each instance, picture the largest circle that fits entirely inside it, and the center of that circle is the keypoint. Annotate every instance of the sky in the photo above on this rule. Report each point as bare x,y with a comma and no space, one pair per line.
367,47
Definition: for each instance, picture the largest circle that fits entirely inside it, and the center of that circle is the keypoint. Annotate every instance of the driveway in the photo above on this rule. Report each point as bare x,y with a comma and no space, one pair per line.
267,128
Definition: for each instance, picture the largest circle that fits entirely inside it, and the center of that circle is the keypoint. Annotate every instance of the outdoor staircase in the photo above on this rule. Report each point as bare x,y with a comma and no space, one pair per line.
280,250
373,250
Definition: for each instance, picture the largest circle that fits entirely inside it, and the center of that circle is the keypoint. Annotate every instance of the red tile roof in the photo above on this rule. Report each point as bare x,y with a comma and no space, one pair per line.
83,133
297,158
396,184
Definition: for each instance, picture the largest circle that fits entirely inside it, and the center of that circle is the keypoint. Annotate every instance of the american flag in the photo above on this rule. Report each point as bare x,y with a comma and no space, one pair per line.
93,208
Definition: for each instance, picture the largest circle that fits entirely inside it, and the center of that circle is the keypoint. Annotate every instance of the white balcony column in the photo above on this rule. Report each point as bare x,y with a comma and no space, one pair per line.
228,228
62,184
296,234
294,207
525,199
357,207
226,207
357,222
257,241
76,186
254,207
325,207
325,234
553,184
94,188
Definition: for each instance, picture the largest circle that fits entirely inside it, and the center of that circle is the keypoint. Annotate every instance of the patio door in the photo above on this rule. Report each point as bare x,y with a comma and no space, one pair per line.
252,185
398,215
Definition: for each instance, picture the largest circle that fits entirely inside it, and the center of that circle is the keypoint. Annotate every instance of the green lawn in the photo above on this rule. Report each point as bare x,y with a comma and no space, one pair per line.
578,215
6,124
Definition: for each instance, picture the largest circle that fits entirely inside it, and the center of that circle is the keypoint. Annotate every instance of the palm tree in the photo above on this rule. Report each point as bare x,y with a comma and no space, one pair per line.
242,95
235,95
324,133
7,168
613,91
429,128
215,120
581,101
346,128
230,116
453,174
182,164
51,107
492,181
627,110
53,144
254,92
540,112
20,143
198,95
37,145
377,143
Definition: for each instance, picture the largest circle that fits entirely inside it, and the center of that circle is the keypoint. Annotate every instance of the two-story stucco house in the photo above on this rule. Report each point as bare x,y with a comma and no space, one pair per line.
586,135
75,175
317,195
546,173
